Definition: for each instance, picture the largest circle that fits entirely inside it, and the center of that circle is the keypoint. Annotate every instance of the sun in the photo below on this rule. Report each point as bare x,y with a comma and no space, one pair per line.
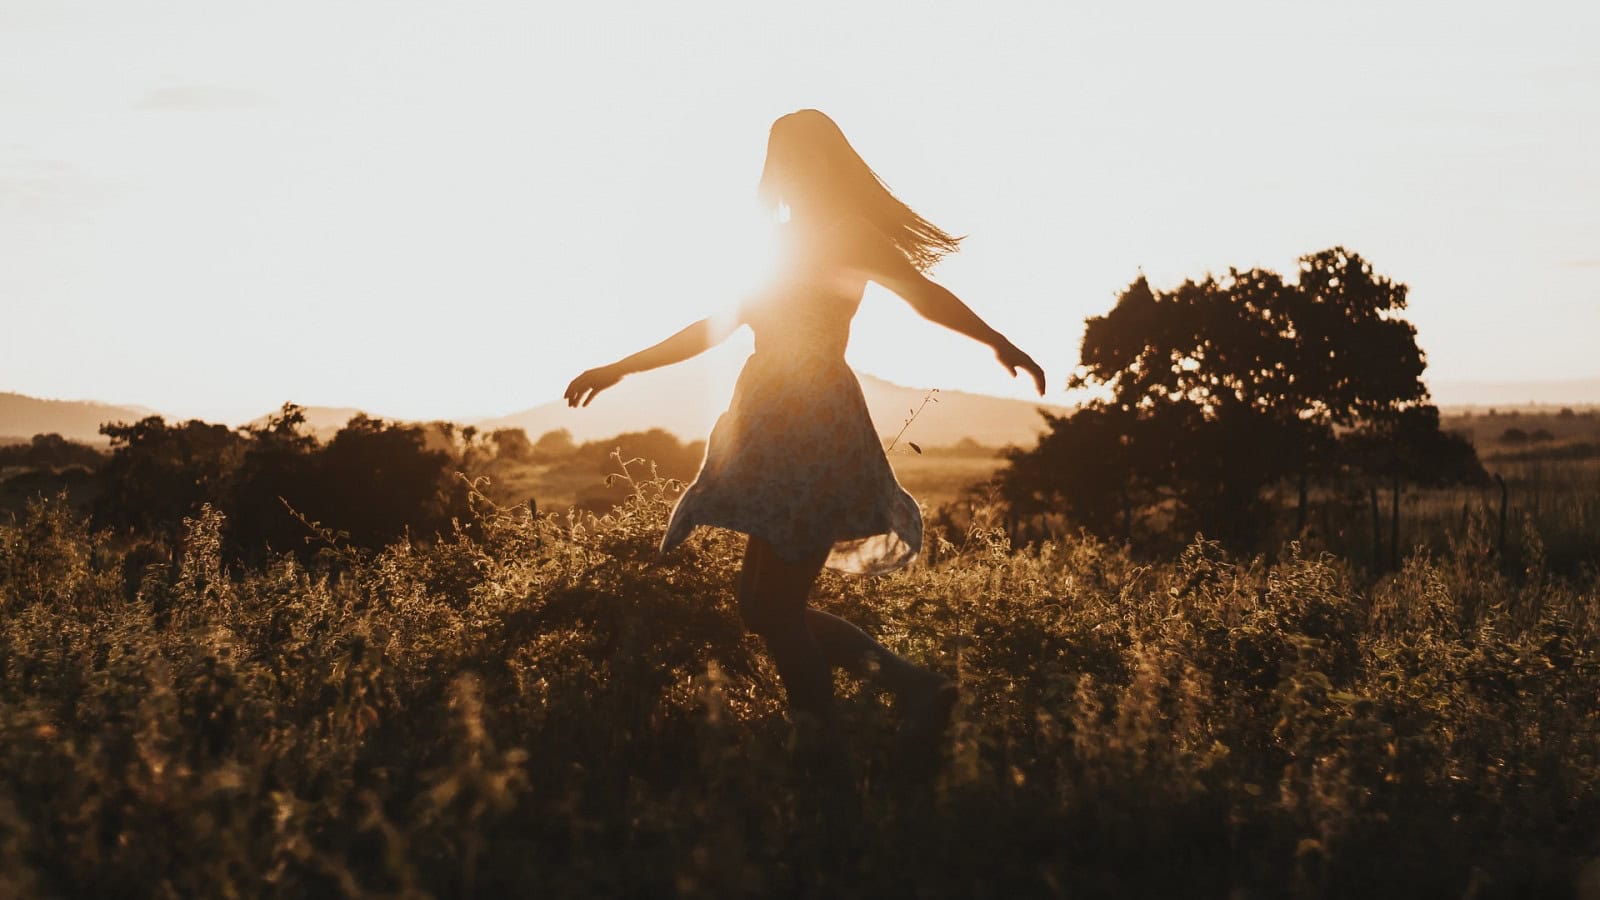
751,265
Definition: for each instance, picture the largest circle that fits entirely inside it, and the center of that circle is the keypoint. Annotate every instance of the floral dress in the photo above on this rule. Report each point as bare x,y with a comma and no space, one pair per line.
796,460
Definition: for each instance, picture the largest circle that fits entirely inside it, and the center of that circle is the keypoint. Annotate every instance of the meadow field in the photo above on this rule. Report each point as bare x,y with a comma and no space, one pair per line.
936,476
537,706
1161,312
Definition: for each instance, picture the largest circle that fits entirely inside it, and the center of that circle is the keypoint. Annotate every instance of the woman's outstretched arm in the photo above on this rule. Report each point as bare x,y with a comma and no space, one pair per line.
691,341
935,302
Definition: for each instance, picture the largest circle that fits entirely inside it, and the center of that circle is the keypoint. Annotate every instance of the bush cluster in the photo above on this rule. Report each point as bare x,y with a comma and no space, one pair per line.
373,483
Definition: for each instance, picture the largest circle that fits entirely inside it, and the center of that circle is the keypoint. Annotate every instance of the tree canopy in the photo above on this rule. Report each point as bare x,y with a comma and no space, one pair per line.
1216,389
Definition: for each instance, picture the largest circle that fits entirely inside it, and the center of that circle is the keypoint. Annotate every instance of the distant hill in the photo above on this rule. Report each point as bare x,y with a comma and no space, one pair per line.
956,416
686,401
22,417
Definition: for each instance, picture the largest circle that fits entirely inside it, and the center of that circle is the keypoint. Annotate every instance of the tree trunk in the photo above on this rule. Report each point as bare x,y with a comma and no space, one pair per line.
1394,523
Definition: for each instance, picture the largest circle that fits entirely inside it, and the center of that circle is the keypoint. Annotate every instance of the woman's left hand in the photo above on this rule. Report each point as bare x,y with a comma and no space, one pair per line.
584,388
1014,359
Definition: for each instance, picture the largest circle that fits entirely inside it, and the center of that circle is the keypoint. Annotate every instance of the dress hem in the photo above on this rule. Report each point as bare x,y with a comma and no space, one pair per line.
679,529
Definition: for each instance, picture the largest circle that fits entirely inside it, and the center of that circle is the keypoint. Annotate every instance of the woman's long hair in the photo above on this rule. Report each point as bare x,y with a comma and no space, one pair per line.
808,155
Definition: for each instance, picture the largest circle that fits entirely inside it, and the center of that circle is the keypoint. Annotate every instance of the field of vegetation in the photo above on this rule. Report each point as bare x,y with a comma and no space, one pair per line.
559,473
535,705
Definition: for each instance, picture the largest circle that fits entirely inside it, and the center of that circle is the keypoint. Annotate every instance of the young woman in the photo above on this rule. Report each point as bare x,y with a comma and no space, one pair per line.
795,462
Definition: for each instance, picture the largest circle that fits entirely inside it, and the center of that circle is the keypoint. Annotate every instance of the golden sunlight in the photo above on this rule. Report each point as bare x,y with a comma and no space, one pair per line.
598,449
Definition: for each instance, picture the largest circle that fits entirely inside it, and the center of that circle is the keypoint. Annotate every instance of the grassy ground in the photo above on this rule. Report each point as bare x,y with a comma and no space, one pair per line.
539,708
935,476
941,475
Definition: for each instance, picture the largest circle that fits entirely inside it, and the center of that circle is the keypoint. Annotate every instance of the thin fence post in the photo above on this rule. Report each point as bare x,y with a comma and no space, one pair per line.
1538,483
1500,539
1300,515
1127,517
1377,529
1394,523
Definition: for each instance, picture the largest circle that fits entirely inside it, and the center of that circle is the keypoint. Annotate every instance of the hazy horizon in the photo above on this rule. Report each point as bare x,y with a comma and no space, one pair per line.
1460,396
437,212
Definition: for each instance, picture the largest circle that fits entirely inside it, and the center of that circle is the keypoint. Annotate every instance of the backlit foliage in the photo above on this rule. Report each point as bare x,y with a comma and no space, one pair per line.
536,706
1221,388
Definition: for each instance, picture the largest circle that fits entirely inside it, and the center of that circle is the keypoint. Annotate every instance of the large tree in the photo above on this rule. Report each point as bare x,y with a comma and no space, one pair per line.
1219,388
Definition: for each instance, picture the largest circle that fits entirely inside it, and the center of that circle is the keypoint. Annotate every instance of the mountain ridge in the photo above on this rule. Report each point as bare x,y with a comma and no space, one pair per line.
688,403
22,416
684,401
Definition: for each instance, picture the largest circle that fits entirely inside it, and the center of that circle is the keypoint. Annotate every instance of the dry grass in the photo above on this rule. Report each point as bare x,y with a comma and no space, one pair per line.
538,707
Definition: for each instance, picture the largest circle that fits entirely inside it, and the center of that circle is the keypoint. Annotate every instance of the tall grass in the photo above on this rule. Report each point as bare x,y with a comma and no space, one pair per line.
1549,516
536,706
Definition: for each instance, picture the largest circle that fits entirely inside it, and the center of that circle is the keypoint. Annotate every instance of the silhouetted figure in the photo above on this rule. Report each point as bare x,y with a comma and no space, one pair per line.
795,462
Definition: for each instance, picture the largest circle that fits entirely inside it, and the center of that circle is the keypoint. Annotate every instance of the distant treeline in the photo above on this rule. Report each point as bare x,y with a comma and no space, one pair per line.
375,480
282,489
372,483
49,451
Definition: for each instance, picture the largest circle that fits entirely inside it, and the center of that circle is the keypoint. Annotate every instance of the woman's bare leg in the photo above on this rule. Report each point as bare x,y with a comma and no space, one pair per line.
925,698
853,650
807,643
772,603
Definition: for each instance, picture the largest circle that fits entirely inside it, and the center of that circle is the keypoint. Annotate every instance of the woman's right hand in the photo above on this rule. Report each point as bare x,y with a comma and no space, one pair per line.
1014,359
584,388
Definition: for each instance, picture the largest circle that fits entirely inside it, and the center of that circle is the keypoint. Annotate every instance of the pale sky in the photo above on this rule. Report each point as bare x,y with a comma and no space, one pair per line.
448,210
